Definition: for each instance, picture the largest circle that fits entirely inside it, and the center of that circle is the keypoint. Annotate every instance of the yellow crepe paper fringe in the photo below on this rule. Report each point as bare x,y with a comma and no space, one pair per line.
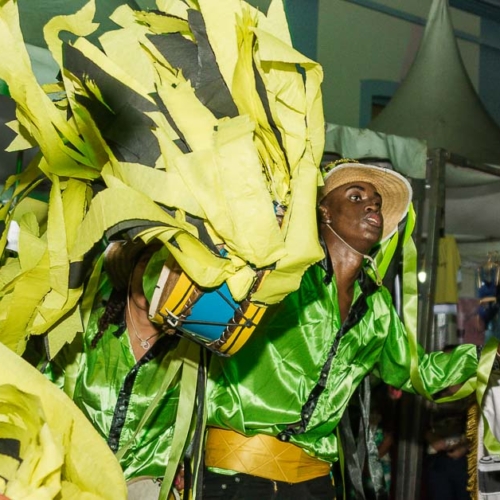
57,446
236,170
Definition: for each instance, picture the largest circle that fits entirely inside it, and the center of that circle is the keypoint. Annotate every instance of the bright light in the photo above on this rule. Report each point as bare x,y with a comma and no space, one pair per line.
422,276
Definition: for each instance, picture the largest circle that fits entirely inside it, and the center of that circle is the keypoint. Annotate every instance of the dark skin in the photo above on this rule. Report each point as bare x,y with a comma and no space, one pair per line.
353,211
139,307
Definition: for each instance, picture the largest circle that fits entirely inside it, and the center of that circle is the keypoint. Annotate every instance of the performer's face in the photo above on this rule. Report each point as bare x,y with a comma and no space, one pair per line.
354,210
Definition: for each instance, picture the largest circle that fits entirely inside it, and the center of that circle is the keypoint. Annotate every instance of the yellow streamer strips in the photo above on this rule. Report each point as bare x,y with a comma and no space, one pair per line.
195,112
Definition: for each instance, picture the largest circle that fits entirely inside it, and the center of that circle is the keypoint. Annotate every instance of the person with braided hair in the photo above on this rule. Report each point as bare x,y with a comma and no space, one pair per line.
117,378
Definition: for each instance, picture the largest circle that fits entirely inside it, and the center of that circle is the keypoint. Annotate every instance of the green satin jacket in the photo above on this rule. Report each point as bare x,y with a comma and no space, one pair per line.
115,391
294,377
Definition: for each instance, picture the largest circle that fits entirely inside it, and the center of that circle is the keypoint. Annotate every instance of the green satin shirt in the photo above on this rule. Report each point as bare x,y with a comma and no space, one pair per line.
295,375
114,391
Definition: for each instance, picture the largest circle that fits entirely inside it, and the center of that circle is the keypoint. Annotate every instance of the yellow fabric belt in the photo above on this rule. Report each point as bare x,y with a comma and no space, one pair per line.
261,455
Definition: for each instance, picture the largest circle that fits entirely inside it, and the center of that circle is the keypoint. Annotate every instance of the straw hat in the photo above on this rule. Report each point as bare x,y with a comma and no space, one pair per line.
395,190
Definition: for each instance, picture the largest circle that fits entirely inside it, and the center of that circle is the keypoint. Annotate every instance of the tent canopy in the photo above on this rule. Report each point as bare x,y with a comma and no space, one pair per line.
437,103
407,155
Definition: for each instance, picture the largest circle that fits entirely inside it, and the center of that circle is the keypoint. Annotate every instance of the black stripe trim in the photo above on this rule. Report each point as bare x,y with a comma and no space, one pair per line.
122,404
356,314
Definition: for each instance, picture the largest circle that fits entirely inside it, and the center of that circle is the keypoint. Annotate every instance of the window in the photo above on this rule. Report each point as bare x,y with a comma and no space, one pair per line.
374,97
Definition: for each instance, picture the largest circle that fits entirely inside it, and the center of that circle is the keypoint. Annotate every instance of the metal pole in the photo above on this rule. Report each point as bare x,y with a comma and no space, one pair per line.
419,192
461,162
408,471
435,226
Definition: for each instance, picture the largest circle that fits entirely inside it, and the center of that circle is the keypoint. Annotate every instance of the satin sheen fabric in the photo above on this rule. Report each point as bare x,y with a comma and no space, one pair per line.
105,384
262,388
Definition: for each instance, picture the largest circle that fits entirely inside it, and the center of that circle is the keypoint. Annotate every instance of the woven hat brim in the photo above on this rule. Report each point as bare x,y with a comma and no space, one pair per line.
395,190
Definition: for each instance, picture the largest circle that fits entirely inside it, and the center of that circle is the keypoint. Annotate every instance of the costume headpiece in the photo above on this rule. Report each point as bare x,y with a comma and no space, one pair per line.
395,190
197,125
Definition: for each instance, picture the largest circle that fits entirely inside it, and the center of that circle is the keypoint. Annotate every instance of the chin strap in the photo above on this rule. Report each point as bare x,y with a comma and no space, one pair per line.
378,278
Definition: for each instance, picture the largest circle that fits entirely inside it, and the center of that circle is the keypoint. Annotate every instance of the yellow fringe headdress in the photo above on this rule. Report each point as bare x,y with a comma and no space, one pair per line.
198,111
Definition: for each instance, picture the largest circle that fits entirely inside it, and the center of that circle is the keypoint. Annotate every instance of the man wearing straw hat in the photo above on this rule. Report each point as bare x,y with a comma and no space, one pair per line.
274,407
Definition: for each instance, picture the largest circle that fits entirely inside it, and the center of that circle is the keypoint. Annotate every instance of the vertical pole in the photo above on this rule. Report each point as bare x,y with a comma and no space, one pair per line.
410,450
435,224
419,193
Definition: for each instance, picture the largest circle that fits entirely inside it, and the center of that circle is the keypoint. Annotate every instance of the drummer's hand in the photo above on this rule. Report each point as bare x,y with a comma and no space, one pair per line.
3,497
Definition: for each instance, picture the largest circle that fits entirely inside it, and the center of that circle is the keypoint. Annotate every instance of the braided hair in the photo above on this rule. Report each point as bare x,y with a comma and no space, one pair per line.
120,264
112,314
